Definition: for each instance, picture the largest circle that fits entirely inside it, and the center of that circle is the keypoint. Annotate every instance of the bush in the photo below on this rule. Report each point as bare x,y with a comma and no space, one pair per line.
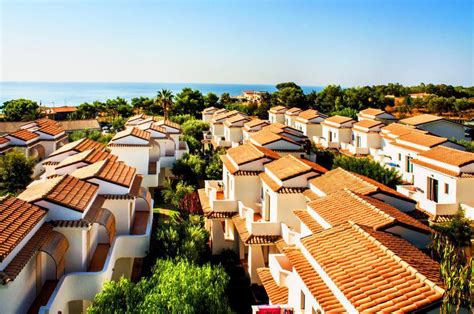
368,168
94,135
174,287
15,172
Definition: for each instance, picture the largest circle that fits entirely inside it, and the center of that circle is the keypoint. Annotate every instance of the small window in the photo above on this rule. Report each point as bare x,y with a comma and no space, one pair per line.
446,188
303,300
399,157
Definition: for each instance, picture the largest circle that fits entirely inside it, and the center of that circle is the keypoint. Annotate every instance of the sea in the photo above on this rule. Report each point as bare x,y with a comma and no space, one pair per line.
75,93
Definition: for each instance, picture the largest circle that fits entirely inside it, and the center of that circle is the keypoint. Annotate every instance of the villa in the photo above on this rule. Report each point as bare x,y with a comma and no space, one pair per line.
291,115
443,179
309,122
277,114
253,126
375,114
335,130
365,139
208,113
437,125
233,130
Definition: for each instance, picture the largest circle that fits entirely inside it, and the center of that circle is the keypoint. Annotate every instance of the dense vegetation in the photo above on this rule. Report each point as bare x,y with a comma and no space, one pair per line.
451,245
90,134
15,172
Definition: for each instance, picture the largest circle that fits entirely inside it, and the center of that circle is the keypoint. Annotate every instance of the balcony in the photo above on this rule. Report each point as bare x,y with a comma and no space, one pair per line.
85,285
217,200
276,308
290,236
255,223
280,268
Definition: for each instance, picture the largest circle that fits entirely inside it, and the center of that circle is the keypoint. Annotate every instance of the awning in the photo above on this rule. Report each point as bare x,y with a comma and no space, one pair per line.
56,246
103,217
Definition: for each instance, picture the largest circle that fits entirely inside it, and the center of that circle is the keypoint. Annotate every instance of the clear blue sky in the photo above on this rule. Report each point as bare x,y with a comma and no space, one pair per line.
352,42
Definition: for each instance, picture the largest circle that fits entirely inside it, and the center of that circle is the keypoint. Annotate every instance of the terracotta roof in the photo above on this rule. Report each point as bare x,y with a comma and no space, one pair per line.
310,195
170,124
108,170
372,112
264,137
400,129
367,124
136,132
79,146
311,114
280,189
14,268
276,294
158,128
438,168
338,119
66,191
255,122
315,284
17,219
421,139
421,119
137,117
52,130
339,178
4,140
62,109
337,208
290,166
250,239
450,156
305,217
248,152
24,135
376,271
204,200
277,108
294,110
88,156
209,110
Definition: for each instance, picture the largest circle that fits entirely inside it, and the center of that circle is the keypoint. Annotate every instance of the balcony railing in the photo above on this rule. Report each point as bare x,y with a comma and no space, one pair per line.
280,268
85,285
254,222
217,200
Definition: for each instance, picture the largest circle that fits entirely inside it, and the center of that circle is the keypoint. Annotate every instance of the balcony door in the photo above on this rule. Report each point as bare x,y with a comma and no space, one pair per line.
432,193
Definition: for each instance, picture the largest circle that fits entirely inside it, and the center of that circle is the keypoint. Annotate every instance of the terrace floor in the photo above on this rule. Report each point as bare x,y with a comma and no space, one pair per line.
220,195
43,298
98,259
140,222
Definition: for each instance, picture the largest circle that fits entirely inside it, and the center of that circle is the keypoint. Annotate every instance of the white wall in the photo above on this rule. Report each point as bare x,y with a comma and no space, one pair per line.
137,157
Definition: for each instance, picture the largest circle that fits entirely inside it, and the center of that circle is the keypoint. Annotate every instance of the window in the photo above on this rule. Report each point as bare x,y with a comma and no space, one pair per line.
399,157
330,136
358,141
432,189
446,188
302,300
408,164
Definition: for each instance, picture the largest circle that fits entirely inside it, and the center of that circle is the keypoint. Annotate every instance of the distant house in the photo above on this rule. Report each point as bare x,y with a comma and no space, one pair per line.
291,115
335,130
375,114
309,122
277,114
437,125
59,113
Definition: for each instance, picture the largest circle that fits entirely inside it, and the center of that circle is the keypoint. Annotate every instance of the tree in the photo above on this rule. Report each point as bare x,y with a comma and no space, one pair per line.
117,106
20,110
192,131
289,95
164,99
87,111
189,101
211,100
90,134
118,124
182,237
144,105
174,287
346,112
451,245
368,168
173,193
15,172
327,98
214,167
189,169
225,99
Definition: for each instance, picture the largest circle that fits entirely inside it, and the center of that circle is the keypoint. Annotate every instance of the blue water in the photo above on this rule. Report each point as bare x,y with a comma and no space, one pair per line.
73,94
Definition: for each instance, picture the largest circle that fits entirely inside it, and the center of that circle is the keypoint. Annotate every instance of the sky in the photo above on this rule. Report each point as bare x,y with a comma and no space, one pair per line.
350,43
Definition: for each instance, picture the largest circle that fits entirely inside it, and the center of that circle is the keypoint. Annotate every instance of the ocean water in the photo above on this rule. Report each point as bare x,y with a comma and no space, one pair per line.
73,94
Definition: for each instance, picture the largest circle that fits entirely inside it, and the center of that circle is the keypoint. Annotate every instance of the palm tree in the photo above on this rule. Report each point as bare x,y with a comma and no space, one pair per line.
164,98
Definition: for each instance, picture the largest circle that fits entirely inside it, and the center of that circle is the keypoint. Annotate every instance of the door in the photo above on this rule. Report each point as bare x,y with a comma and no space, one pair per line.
432,193
358,140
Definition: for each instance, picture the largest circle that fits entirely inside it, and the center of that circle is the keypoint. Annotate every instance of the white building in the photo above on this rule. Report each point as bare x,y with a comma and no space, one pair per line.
233,130
443,180
309,122
277,114
280,141
291,115
208,113
400,151
335,130
365,138
437,125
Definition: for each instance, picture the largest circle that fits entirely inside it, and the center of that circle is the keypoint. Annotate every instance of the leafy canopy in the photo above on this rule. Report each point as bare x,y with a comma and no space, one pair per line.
15,172
20,110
